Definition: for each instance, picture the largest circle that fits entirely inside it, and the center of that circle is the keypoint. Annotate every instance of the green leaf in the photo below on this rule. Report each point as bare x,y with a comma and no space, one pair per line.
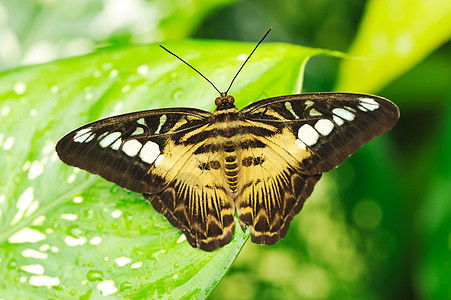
66,233
393,37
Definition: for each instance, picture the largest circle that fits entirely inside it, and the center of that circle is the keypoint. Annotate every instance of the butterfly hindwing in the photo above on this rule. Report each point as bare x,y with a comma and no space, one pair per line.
272,190
197,199
328,127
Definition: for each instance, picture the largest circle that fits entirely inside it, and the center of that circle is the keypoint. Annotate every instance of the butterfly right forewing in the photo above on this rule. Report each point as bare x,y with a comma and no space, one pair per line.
327,127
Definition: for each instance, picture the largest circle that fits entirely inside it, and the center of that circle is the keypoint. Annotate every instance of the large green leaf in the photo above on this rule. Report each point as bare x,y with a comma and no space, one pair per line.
393,37
66,233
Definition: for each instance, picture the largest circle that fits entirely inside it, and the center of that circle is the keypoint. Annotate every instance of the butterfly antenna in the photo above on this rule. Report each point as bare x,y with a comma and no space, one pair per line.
192,68
248,59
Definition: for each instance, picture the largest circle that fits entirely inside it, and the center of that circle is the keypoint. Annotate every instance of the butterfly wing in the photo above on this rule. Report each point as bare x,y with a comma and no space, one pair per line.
154,153
294,139
198,200
328,126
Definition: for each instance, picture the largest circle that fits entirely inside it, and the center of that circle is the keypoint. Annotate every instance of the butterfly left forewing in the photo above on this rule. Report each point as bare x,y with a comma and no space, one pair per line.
128,149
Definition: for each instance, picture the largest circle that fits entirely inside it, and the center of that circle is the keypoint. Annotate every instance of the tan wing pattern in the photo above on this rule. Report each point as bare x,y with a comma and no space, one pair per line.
196,199
196,168
272,189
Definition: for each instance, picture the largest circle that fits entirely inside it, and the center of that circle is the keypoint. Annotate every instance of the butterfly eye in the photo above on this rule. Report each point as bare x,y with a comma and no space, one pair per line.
230,99
218,101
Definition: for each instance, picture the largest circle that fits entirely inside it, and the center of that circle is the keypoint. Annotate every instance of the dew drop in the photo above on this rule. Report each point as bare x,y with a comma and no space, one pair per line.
94,275
125,286
12,264
177,94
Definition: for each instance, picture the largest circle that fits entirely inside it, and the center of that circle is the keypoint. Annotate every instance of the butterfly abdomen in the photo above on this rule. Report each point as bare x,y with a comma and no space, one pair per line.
227,132
231,170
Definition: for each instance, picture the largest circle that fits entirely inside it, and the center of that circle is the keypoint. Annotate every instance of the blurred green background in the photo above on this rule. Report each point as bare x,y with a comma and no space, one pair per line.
378,227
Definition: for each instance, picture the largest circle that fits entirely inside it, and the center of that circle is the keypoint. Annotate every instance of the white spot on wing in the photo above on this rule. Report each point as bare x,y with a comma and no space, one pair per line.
362,108
324,126
138,131
300,144
159,160
314,113
163,119
308,135
116,145
343,114
338,120
369,104
109,139
308,103
82,135
149,152
131,147
141,122
290,109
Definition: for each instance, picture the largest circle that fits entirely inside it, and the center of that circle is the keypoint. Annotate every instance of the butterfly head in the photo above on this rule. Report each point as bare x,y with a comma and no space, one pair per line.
224,102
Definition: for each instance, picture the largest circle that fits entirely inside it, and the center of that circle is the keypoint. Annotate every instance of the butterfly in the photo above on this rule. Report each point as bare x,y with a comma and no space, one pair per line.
199,169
